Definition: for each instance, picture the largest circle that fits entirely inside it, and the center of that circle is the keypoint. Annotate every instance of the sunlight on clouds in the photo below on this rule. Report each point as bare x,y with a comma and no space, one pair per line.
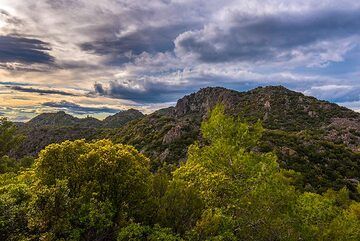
148,55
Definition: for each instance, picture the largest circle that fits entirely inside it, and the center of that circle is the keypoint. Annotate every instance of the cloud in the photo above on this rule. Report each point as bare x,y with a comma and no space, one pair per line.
40,91
122,48
6,16
78,109
10,83
354,105
272,37
147,54
145,91
24,50
336,93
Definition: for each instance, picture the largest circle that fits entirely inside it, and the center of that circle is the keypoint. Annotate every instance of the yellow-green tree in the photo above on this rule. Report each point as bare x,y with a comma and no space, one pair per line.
8,137
86,190
245,195
15,195
245,192
9,140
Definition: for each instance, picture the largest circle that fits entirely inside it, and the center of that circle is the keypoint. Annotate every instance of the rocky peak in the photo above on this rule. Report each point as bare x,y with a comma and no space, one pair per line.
204,100
53,119
122,118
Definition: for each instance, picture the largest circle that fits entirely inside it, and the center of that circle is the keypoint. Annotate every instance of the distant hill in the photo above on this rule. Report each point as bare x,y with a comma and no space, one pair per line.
317,138
62,119
48,128
122,118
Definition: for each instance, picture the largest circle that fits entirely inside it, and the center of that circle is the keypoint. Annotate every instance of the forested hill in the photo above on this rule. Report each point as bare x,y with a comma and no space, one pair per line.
314,137
268,164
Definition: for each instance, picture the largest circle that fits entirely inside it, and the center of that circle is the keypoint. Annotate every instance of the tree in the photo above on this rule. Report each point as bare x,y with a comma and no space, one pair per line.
15,195
249,188
137,232
86,190
9,139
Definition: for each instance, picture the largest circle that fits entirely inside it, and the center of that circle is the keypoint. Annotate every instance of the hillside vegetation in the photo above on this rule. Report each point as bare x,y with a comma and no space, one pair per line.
316,138
229,188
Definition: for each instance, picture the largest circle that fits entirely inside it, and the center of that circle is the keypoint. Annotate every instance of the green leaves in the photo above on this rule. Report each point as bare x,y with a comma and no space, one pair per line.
137,232
222,128
8,137
76,191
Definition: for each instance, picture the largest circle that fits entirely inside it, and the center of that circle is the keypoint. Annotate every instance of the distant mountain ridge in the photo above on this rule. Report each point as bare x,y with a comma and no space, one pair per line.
61,119
48,128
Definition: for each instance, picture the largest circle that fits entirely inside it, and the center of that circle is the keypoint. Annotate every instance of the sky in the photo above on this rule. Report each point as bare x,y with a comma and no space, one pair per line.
96,58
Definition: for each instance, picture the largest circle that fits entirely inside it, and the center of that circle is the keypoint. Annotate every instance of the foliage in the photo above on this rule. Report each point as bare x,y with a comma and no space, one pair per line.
82,190
8,164
15,195
137,232
245,195
9,139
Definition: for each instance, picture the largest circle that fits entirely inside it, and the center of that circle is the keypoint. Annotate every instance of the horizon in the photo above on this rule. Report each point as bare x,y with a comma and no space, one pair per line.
97,58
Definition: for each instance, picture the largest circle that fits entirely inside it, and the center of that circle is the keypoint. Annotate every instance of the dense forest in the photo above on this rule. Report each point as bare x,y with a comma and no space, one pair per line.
232,186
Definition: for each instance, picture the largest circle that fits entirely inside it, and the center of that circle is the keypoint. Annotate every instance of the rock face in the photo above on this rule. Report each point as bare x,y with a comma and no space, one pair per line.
173,134
346,131
278,108
205,99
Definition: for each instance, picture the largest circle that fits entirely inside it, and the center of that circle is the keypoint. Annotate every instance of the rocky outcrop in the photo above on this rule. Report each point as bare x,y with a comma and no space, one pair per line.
204,100
173,134
346,131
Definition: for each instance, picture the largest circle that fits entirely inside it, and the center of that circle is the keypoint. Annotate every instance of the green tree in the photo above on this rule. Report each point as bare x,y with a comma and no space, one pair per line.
247,187
137,232
345,226
9,139
85,190
15,195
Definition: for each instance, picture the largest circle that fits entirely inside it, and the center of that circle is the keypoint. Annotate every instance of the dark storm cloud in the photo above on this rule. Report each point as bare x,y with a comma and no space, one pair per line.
149,39
40,91
149,92
258,38
24,50
78,109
